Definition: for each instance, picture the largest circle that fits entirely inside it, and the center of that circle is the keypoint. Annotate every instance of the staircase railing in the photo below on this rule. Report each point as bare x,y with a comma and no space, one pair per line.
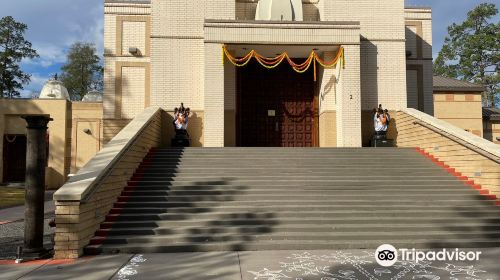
83,202
471,155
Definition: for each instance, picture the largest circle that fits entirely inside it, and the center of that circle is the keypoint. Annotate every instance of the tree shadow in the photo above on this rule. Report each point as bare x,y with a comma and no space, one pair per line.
164,205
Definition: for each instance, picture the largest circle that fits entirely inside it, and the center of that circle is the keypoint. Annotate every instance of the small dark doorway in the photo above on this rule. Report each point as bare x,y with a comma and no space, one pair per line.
276,107
14,158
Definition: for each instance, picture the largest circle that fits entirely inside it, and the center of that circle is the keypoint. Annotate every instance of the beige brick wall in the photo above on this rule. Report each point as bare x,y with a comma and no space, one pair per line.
214,96
477,167
383,78
126,25
133,86
463,110
177,72
134,33
113,127
220,9
111,73
327,129
349,100
178,18
379,19
418,23
327,77
491,131
85,115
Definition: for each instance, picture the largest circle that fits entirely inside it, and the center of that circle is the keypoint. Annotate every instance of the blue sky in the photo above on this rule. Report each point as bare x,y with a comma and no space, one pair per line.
55,24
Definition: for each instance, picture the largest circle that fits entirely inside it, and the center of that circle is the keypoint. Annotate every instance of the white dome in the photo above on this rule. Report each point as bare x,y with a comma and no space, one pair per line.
92,96
280,10
54,89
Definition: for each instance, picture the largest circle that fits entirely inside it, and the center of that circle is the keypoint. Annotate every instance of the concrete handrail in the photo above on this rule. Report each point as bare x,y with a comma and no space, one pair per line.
80,186
456,134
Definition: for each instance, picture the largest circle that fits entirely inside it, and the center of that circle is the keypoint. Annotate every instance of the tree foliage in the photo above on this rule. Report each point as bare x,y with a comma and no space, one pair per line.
83,71
471,52
13,49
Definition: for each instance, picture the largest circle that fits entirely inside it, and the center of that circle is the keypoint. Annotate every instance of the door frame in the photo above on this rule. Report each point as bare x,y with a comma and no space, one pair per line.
315,132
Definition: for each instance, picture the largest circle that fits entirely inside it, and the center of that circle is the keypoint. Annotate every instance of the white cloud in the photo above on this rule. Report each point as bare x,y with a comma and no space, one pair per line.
37,82
49,55
53,25
35,86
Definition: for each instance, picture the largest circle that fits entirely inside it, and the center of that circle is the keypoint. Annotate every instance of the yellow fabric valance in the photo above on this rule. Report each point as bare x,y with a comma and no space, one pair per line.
273,62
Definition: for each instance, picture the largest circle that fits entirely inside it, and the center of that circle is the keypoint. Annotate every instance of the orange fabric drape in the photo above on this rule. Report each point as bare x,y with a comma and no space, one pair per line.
273,62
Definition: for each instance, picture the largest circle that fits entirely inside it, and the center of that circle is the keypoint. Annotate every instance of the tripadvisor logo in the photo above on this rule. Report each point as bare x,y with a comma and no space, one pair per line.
387,255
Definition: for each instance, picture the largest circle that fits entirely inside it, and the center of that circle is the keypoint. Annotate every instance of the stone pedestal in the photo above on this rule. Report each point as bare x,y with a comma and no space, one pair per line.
36,159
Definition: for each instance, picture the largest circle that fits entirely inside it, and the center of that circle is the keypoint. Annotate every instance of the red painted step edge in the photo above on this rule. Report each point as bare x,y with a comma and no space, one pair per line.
102,233
484,192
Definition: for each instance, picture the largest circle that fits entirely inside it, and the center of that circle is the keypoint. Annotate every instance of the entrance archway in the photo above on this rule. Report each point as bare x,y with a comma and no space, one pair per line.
276,107
14,157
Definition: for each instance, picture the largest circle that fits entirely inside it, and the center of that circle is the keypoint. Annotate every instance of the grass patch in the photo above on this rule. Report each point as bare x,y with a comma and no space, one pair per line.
11,197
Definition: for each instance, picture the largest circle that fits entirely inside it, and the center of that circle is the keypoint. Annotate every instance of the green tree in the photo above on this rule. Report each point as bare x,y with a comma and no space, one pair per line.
471,52
83,71
13,49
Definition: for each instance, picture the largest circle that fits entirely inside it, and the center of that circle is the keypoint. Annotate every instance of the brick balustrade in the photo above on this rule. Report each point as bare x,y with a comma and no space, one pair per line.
83,202
470,155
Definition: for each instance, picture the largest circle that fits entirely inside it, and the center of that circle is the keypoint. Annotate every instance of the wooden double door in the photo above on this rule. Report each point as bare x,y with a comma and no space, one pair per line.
276,107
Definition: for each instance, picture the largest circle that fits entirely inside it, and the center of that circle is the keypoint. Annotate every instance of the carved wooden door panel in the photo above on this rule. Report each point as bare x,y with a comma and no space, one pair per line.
276,108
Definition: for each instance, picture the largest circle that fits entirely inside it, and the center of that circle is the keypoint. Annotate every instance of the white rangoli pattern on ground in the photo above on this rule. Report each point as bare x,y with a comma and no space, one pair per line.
360,266
131,268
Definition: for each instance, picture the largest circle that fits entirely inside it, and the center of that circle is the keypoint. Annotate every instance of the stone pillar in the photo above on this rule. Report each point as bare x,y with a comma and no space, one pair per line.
348,100
214,96
36,158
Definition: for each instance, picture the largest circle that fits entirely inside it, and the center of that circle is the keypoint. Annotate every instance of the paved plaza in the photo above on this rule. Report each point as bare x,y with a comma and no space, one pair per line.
262,265
12,228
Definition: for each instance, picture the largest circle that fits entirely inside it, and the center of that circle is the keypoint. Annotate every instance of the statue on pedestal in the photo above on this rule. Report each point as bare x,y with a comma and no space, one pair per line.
180,122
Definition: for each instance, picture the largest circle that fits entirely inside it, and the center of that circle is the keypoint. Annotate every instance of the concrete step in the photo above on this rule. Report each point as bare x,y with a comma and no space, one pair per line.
303,213
288,245
360,196
129,209
297,182
271,187
283,173
343,203
201,192
298,171
339,228
270,219
294,177
299,236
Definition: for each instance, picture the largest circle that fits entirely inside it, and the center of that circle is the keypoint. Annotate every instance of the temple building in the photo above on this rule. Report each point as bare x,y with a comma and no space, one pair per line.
162,53
254,73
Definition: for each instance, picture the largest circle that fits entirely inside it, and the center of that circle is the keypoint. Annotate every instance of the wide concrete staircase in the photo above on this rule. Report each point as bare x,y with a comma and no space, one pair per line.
209,199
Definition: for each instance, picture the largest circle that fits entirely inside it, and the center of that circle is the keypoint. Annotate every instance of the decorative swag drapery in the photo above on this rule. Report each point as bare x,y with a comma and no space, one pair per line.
273,62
